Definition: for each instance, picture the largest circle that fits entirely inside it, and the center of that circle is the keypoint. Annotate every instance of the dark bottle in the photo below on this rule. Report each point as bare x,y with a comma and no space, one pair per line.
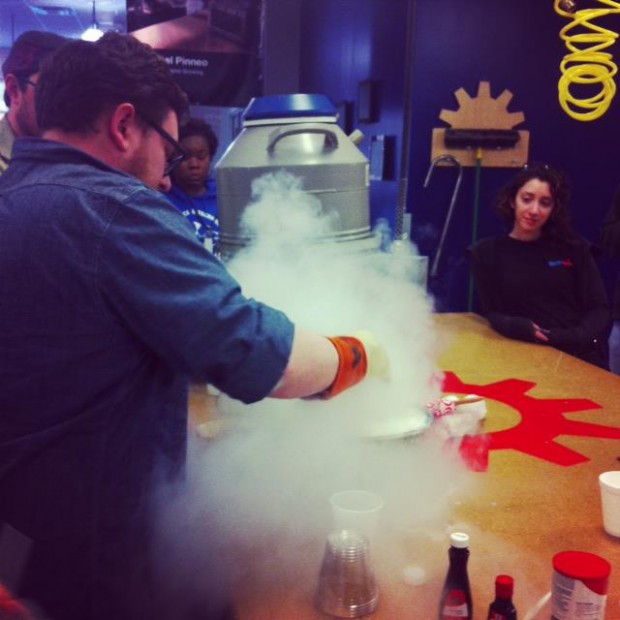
502,608
455,603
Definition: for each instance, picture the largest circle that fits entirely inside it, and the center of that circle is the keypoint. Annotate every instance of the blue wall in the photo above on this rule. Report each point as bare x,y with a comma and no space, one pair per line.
344,42
514,46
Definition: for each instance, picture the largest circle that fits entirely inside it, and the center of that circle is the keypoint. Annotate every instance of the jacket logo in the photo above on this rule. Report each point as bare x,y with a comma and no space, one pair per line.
566,263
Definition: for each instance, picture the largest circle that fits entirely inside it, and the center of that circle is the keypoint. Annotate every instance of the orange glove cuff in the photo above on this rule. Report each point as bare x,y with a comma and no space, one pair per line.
352,365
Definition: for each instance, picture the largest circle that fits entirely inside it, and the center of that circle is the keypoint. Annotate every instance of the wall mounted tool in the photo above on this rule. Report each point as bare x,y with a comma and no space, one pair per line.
482,122
481,133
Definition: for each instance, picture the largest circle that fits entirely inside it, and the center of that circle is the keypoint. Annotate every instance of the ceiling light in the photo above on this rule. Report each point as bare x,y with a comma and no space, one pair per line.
93,32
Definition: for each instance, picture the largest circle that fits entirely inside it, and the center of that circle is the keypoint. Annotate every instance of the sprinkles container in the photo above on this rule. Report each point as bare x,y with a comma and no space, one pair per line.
579,590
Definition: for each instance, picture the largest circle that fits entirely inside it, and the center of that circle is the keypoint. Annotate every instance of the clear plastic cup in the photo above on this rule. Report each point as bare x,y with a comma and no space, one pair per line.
358,511
347,587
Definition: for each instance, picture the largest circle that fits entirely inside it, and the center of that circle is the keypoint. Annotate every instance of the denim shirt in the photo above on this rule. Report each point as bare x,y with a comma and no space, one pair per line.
109,306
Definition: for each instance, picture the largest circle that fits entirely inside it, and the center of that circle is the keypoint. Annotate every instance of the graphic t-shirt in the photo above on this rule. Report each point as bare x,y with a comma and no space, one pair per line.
201,211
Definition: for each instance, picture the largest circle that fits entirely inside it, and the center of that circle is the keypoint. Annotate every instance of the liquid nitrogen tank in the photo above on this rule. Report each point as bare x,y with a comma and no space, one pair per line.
299,134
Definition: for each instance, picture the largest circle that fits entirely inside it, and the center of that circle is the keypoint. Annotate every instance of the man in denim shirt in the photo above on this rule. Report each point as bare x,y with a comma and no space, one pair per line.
109,306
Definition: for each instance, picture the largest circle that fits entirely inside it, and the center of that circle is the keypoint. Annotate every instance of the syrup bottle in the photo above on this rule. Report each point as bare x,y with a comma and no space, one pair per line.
502,608
455,602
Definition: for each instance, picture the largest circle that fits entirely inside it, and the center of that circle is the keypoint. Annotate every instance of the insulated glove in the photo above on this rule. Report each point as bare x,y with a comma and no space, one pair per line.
359,355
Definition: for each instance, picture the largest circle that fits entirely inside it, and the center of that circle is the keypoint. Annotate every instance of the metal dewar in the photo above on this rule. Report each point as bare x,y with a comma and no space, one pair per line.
299,134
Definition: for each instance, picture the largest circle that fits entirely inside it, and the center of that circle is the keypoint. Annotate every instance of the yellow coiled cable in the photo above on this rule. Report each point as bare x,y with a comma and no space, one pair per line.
587,64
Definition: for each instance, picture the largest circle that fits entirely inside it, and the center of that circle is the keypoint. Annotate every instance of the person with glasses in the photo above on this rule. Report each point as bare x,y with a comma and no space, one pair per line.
21,72
193,190
539,282
110,307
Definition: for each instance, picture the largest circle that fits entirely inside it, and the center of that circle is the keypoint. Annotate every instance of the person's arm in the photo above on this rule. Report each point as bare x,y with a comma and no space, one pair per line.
610,229
185,306
596,316
324,367
311,368
483,266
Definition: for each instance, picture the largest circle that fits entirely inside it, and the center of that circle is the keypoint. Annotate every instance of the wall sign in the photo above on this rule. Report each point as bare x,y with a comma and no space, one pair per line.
212,48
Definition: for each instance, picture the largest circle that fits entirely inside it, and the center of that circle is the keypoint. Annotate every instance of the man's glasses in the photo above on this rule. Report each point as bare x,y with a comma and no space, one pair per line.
173,162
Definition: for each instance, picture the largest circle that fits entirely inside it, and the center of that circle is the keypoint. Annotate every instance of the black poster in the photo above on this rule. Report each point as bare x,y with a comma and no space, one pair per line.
213,47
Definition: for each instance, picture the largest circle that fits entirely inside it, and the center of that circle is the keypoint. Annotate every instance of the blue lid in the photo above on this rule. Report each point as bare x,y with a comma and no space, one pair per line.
288,106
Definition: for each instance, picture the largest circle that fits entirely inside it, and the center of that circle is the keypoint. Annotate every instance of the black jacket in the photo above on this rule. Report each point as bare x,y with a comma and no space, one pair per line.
610,240
556,286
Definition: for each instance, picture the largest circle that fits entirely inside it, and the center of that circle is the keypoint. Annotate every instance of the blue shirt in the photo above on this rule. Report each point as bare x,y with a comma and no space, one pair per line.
109,306
200,211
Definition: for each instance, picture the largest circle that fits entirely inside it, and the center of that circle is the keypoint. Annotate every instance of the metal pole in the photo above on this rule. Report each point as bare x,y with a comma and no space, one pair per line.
403,183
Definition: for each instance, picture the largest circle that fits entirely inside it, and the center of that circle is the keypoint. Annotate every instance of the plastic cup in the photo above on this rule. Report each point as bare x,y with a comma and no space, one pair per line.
610,501
356,510
347,587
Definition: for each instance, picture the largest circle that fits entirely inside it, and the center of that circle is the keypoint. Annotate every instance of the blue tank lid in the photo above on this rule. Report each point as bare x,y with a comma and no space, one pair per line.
288,106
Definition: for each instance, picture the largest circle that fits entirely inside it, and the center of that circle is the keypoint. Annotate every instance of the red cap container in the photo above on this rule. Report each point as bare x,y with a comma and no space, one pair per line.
586,567
504,586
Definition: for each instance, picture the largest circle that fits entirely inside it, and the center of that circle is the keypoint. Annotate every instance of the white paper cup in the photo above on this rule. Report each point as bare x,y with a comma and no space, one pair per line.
356,510
609,482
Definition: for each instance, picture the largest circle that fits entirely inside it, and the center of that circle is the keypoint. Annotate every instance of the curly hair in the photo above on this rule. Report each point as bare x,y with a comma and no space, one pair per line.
84,79
198,127
558,226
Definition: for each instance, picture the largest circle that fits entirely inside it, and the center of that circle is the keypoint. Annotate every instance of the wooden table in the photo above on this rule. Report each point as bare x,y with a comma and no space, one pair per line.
538,496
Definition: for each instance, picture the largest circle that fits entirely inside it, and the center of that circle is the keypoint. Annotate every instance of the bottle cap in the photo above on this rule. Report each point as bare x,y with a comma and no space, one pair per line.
460,540
504,586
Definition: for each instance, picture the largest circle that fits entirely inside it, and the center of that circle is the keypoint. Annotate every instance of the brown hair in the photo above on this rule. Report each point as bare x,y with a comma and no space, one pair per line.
558,225
83,79
27,53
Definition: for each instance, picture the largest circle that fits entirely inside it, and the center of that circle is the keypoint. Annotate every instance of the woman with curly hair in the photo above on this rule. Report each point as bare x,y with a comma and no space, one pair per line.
539,282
